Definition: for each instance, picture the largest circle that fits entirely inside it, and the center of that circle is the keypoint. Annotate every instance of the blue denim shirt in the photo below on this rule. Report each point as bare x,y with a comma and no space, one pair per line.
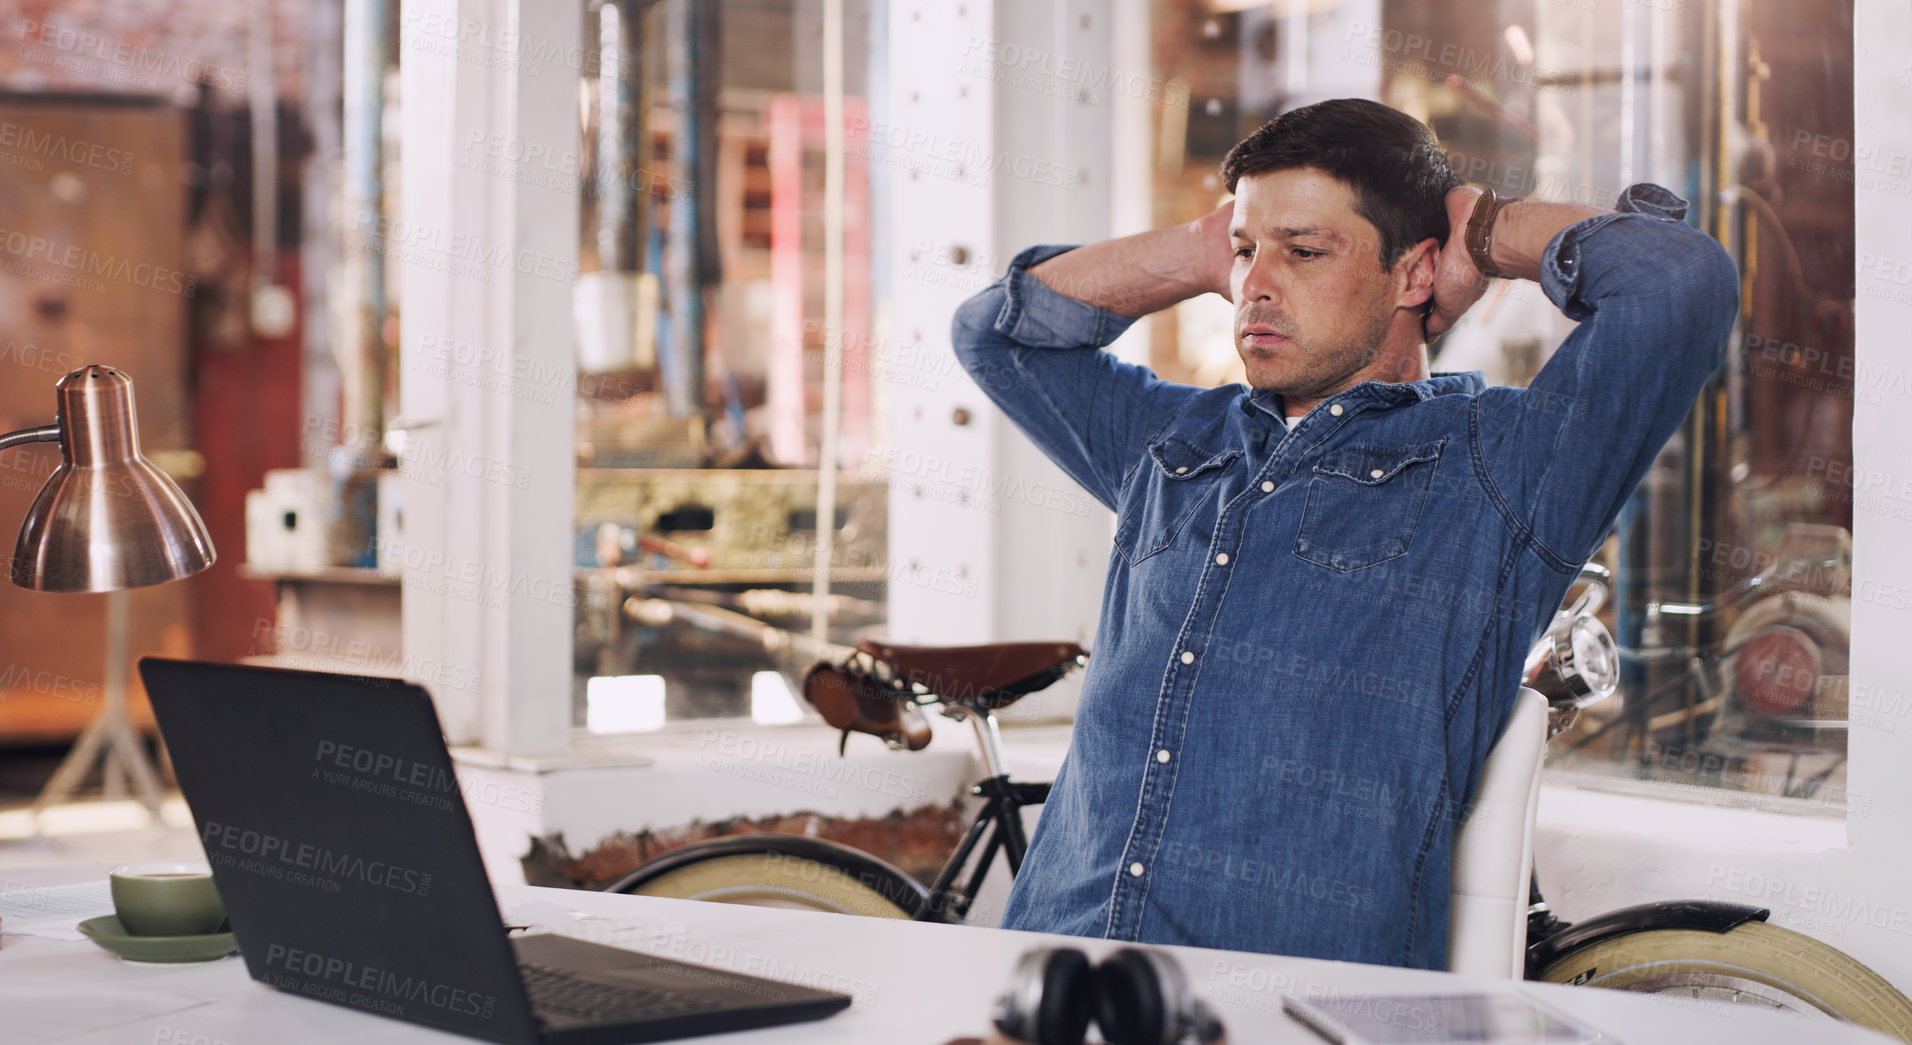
1312,633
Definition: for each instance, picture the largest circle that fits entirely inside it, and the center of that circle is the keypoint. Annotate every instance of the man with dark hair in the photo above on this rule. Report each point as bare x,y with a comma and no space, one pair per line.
1397,170
1324,583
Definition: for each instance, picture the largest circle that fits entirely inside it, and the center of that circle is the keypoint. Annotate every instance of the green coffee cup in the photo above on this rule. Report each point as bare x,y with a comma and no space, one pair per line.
166,899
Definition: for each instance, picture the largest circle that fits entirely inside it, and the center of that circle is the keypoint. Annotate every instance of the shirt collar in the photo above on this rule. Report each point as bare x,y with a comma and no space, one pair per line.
1377,393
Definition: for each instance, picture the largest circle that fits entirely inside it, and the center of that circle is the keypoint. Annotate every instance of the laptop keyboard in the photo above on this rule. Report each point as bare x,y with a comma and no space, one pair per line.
560,992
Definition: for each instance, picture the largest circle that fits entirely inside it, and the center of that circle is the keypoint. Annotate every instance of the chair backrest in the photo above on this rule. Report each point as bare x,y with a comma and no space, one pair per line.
1494,851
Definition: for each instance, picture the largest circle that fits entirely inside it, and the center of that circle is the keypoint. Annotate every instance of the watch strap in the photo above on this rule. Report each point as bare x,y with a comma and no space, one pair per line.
1480,231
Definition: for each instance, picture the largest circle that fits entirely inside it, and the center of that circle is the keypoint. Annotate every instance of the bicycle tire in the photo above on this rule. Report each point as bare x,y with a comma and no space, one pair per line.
779,871
1753,963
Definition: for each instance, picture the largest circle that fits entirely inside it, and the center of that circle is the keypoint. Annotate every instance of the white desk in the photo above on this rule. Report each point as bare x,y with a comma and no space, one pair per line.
913,984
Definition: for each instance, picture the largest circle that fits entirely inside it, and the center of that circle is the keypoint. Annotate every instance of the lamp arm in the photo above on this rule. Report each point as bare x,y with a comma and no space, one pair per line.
42,434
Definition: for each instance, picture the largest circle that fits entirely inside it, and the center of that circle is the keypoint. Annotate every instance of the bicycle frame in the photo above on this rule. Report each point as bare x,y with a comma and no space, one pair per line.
997,827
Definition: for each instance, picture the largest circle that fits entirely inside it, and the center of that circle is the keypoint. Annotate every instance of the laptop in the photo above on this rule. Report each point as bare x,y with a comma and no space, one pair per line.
342,848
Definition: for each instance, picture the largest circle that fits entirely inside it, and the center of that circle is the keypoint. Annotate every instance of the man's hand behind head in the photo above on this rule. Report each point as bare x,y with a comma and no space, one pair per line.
1218,251
1457,283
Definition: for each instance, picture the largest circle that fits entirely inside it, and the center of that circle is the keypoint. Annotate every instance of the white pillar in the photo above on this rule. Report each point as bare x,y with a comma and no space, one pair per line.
1879,815
487,242
1000,119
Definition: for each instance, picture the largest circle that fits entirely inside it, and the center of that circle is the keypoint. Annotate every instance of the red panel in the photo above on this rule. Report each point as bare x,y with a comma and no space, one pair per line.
246,416
797,128
854,431
788,438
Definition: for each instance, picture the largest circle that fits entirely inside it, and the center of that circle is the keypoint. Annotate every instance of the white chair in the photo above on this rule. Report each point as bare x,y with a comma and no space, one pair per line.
1494,851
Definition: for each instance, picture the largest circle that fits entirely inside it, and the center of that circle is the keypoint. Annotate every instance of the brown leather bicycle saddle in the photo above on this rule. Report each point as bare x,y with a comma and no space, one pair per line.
850,700
990,676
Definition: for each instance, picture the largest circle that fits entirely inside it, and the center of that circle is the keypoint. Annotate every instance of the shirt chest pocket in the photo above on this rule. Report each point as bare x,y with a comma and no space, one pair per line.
1364,504
1176,479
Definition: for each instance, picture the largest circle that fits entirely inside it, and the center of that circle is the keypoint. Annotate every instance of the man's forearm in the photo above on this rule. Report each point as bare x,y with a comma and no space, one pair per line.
1522,231
1147,272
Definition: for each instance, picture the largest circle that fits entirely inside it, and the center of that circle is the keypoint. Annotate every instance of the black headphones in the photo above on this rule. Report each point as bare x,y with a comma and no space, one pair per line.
1136,996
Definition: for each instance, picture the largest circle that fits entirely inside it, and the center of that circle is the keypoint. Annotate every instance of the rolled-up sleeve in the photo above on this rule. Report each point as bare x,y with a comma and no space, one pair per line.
1656,300
1035,353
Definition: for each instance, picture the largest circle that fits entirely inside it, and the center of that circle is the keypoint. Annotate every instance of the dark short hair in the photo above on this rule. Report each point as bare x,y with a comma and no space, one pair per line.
1391,160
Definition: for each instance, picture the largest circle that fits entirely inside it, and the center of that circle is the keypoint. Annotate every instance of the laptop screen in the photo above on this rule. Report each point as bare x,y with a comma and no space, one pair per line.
340,842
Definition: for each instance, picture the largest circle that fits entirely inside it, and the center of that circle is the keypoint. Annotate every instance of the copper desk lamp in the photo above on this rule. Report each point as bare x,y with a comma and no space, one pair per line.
107,520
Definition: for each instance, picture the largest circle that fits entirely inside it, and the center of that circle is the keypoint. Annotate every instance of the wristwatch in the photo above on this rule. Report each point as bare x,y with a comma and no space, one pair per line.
1480,230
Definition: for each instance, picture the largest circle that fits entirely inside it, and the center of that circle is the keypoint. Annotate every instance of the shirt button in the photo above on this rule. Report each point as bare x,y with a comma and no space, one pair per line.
1182,469
1135,869
1376,474
1162,755
1188,657
1267,487
1335,409
1221,558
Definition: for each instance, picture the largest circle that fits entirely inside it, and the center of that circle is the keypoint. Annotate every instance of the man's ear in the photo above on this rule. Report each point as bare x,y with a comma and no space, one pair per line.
1415,268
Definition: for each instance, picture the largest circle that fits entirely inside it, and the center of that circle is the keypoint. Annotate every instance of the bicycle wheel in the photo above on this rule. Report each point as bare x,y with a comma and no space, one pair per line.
779,871
1754,963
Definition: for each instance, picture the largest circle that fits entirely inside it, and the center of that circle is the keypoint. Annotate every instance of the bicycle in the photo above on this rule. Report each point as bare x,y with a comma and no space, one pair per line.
1697,948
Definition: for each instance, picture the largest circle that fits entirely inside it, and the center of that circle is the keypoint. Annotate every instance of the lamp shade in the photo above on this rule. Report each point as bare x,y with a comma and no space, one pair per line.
107,518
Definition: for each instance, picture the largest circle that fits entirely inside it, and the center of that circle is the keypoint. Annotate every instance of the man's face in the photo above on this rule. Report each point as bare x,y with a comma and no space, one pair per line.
1312,302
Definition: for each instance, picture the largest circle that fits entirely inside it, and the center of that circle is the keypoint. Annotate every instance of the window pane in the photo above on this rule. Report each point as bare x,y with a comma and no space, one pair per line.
698,516
1732,562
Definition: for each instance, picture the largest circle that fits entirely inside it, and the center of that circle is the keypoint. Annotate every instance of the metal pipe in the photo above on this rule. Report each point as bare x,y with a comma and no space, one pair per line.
989,739
42,434
1706,486
262,99
690,257
776,641
832,315
367,56
988,735
623,212
322,251
1680,503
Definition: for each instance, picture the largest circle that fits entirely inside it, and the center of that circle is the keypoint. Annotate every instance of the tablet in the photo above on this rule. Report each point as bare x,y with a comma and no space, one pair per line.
1438,1019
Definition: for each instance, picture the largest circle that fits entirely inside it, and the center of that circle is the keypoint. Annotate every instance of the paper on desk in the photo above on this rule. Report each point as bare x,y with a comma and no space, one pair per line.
545,916
53,911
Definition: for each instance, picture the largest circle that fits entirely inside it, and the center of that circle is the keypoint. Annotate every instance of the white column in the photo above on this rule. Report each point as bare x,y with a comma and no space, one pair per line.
486,240
1000,118
1879,818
